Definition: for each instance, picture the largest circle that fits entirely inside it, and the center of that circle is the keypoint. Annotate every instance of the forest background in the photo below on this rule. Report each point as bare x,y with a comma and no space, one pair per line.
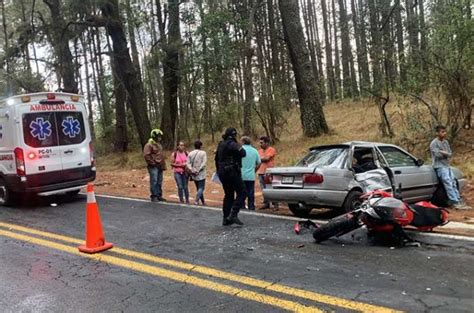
303,72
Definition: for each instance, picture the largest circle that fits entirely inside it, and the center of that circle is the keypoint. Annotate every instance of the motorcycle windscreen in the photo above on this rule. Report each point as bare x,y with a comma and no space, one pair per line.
373,180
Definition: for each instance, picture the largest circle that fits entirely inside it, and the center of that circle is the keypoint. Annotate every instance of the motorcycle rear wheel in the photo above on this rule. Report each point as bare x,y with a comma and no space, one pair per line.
337,226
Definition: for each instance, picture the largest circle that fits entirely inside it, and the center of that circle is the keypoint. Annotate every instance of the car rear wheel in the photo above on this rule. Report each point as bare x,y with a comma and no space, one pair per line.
7,197
352,201
299,211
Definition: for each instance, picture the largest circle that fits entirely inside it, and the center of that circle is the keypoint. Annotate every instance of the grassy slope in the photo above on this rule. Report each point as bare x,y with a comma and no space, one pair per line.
347,120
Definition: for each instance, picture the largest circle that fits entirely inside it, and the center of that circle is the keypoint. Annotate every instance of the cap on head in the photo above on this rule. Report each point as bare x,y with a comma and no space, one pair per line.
156,132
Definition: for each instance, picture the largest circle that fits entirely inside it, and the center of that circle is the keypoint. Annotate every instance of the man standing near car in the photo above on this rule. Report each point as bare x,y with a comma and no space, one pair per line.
153,154
440,154
267,156
228,165
250,163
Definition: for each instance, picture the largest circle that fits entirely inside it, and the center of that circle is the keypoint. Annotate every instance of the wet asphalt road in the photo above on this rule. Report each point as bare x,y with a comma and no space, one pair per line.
40,277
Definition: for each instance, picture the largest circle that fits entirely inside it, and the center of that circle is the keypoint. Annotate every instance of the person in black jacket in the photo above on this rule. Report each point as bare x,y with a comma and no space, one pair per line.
228,166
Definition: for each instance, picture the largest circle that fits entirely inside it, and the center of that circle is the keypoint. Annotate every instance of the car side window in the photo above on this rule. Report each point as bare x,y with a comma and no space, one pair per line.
396,157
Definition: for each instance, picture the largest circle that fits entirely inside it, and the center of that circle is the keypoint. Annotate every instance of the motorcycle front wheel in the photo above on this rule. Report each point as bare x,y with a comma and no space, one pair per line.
337,226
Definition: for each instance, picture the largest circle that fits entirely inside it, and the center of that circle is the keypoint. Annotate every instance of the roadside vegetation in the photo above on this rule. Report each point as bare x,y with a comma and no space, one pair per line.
350,120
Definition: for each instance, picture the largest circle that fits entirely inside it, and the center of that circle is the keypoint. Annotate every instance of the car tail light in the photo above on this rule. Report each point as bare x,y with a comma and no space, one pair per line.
313,178
20,161
268,178
91,151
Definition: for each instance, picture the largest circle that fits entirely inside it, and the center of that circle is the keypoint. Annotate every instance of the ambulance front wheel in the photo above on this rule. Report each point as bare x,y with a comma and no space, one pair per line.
7,197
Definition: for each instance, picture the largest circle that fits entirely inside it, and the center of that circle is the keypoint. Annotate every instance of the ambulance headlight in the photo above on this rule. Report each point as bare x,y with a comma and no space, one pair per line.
10,102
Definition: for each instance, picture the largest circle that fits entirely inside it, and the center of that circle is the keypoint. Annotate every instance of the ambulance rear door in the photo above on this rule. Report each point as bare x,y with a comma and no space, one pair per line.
74,141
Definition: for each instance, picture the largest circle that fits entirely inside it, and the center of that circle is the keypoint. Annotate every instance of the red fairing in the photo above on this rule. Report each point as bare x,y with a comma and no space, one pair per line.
426,204
403,216
376,194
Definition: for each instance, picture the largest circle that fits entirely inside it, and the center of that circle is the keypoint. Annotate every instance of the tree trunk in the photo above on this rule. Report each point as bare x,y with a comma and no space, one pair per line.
337,63
88,87
131,35
312,115
10,87
248,77
60,42
346,51
412,29
388,42
362,63
169,115
400,44
121,137
329,66
375,47
126,70
423,44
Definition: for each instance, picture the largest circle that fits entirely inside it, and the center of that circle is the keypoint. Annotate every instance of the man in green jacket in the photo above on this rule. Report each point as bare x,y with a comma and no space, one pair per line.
153,154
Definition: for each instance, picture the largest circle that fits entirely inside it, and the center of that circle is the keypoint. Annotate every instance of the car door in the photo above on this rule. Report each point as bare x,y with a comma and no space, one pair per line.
373,177
417,182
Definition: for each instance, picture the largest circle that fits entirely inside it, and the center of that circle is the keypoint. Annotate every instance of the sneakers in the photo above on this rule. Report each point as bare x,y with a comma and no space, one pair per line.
461,206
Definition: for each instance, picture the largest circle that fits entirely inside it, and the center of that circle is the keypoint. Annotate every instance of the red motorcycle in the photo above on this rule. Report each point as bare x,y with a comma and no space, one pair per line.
385,213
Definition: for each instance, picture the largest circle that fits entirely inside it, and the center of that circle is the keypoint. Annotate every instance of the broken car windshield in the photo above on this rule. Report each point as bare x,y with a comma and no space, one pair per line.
329,157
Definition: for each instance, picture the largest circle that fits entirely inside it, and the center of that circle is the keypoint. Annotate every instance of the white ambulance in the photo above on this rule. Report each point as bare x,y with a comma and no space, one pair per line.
45,145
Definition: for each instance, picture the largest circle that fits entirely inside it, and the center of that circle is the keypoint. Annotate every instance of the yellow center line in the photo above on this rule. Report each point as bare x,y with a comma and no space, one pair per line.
267,285
171,275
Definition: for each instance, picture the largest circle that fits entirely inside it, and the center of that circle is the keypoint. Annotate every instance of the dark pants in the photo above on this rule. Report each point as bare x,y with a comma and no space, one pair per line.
250,193
200,186
234,193
156,181
182,184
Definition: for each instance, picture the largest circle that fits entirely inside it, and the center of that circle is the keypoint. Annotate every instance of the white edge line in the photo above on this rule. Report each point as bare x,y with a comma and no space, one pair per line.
444,236
280,217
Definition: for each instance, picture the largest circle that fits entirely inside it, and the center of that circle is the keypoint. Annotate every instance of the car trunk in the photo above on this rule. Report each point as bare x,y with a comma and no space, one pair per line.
289,177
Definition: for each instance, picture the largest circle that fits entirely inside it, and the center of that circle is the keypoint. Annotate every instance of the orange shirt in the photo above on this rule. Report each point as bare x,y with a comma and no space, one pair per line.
268,152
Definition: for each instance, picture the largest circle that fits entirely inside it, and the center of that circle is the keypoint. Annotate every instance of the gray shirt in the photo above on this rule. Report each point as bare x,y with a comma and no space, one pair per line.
197,160
440,159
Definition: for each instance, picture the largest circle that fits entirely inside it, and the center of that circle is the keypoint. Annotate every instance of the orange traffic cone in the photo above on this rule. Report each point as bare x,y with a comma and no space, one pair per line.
95,240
